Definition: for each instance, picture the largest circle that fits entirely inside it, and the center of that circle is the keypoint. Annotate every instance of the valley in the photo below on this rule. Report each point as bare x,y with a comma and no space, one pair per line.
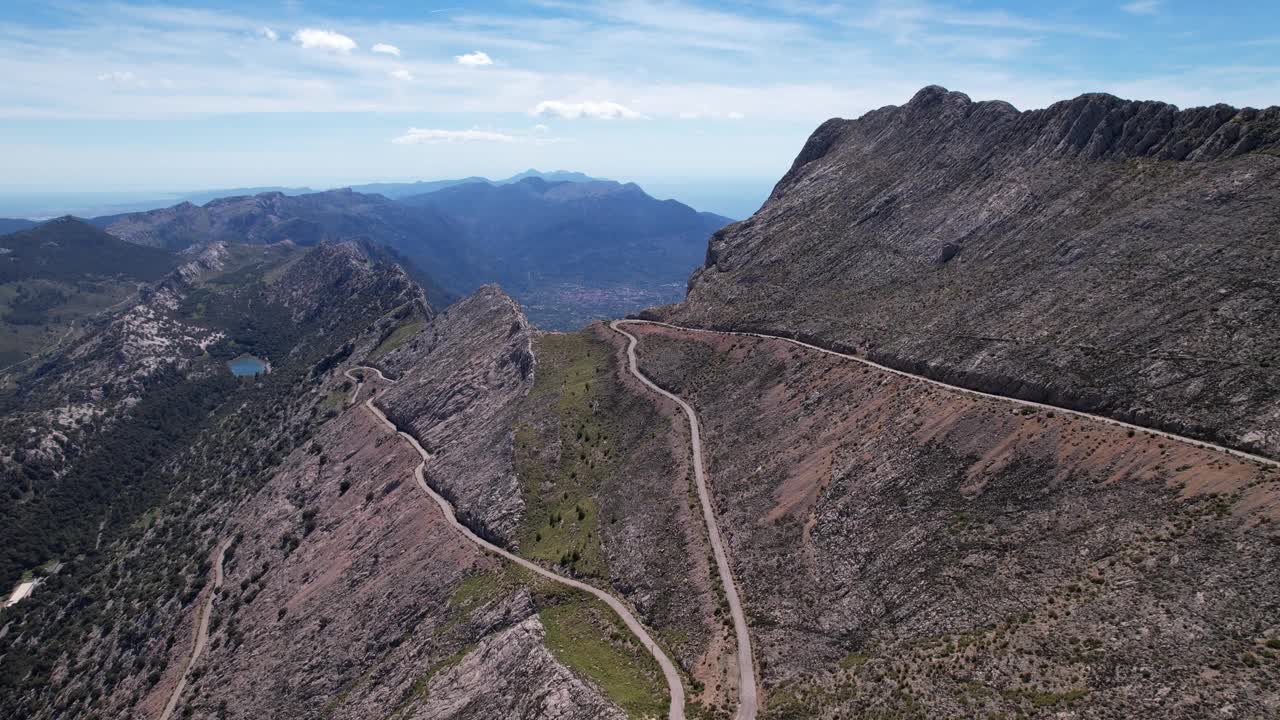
974,418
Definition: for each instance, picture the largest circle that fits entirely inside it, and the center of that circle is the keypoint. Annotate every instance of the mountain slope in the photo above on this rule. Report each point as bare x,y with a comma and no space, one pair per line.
84,433
56,275
904,550
8,225
1101,254
425,237
70,249
546,241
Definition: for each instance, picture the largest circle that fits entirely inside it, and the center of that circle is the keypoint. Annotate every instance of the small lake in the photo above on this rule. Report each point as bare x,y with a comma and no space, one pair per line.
247,365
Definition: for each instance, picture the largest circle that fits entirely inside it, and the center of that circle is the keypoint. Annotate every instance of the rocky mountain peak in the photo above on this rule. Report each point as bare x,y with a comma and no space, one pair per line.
944,124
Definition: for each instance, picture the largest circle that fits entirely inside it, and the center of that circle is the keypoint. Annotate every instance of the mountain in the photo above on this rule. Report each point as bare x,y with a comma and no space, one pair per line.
302,499
572,251
83,415
399,190
426,238
553,176
420,187
71,249
905,548
448,513
1100,254
201,197
55,276
8,225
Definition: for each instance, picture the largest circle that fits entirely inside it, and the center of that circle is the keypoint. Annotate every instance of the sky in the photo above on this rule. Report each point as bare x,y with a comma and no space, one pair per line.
681,96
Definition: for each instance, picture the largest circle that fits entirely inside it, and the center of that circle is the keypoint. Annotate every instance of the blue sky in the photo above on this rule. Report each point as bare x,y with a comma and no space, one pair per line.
123,96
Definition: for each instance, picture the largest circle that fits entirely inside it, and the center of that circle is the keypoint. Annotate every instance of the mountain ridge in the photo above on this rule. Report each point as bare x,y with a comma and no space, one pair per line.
985,247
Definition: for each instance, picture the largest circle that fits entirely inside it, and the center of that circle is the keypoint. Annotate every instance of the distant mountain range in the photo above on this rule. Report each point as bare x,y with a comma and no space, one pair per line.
8,225
40,206
307,220
575,250
407,189
570,247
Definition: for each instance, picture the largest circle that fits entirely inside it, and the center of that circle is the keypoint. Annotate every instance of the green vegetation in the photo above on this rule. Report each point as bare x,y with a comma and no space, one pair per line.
36,314
590,639
163,475
853,660
69,250
562,519
120,470
1046,698
582,632
396,338
419,689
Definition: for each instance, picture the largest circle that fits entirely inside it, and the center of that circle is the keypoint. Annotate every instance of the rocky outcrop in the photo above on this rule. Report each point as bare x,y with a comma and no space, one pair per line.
459,383
513,675
1101,254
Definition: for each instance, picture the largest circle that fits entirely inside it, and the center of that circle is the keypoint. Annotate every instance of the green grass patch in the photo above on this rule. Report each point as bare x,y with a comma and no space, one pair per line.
398,337
853,660
336,399
418,692
1048,698
147,519
587,637
562,518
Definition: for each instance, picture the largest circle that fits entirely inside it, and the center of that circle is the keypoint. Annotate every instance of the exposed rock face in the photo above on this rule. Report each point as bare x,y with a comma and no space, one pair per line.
370,594
460,380
906,550
1107,255
513,675
346,594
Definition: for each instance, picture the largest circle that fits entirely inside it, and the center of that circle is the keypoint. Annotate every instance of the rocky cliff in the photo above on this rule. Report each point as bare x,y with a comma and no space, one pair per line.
460,381
1101,254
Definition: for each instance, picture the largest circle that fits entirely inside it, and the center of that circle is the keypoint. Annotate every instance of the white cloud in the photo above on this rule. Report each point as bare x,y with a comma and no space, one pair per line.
423,136
312,38
269,34
401,74
598,109
1142,7
386,49
711,114
475,59
116,76
541,128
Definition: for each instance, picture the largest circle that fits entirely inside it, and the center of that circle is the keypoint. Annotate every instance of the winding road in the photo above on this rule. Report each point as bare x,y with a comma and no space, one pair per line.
202,632
674,686
1262,459
748,702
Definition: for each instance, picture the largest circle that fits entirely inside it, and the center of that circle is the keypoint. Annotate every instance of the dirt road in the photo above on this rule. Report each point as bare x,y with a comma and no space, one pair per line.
1263,460
748,700
202,631
674,686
